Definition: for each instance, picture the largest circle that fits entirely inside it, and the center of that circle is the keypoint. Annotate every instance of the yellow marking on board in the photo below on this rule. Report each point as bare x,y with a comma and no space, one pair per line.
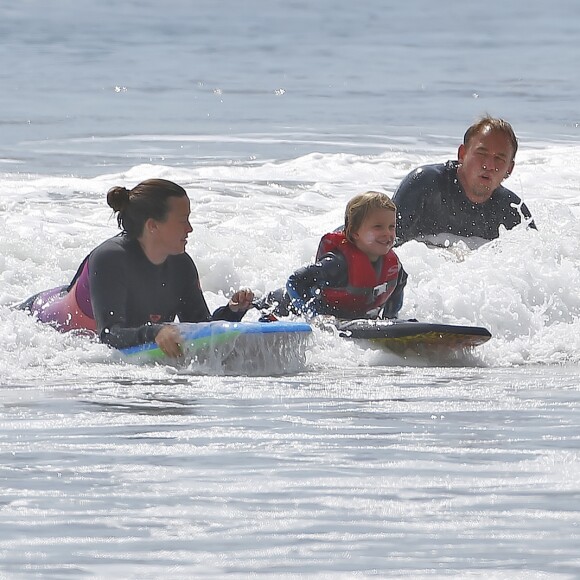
446,339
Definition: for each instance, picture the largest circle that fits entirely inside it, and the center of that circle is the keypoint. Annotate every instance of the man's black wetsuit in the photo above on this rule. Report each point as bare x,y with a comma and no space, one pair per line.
431,201
131,297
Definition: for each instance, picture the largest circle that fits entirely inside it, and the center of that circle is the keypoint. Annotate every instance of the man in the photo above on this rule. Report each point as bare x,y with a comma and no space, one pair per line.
464,199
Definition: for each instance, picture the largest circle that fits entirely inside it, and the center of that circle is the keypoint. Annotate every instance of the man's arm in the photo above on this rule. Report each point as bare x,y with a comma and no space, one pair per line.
528,216
410,199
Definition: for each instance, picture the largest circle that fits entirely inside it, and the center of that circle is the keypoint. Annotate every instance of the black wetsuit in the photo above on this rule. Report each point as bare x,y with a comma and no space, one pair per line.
131,297
430,201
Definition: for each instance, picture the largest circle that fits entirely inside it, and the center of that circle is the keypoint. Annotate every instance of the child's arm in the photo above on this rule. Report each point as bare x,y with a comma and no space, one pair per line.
305,285
395,301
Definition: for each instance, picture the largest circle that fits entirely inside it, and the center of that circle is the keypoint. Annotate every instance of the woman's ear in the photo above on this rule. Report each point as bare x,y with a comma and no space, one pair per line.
150,226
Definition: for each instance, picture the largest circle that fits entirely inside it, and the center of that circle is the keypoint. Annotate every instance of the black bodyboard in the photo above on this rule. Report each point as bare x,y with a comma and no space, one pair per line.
400,335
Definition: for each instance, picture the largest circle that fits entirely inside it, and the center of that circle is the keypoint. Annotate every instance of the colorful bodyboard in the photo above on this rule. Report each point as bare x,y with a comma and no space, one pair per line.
220,338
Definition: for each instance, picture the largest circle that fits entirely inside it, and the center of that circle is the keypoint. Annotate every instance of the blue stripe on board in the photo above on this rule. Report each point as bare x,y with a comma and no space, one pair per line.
195,330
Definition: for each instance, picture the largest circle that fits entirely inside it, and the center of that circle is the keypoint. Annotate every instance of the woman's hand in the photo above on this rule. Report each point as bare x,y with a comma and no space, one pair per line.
169,340
241,300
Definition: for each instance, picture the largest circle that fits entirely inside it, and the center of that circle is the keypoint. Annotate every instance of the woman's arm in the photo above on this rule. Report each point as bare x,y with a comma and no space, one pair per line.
195,307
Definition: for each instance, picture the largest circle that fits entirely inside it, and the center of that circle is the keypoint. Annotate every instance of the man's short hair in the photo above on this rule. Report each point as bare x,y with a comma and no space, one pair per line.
493,124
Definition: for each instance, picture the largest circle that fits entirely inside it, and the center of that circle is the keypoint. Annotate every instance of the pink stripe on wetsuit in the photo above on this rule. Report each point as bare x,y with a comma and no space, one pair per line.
67,307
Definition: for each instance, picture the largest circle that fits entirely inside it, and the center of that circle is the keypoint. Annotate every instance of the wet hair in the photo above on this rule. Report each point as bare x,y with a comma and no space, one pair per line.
493,124
148,199
358,208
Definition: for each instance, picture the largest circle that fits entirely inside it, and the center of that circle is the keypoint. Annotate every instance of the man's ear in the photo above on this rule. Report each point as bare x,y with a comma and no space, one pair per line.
510,170
461,153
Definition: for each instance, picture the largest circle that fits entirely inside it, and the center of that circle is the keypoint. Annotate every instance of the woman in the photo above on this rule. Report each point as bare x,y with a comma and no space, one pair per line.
132,287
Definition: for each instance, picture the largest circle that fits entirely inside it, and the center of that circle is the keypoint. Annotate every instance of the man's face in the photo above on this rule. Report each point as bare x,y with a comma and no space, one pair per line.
484,163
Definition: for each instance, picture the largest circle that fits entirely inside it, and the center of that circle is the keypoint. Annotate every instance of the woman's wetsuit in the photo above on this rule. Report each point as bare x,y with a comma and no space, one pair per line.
124,297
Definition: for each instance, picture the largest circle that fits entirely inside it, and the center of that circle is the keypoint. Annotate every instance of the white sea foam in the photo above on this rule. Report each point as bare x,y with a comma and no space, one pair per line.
254,222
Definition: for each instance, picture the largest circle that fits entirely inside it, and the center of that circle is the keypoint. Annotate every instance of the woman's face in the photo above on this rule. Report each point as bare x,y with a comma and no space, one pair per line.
171,234
377,233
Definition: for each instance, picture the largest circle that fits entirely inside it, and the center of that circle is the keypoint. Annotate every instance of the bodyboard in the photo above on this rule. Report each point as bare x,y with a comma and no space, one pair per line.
219,339
403,335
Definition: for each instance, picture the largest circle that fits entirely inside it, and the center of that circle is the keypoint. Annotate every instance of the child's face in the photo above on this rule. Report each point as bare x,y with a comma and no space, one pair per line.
377,233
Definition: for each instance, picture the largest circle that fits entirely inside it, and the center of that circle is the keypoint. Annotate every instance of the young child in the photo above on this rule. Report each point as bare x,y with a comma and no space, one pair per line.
356,273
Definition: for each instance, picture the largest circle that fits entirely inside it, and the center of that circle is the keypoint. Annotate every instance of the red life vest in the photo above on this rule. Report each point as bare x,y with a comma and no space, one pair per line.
366,290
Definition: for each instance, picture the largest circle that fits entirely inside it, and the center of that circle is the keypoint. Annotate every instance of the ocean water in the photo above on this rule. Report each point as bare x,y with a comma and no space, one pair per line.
348,463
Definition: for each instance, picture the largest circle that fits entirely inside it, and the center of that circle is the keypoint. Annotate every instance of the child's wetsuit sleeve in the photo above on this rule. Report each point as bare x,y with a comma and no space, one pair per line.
395,301
305,285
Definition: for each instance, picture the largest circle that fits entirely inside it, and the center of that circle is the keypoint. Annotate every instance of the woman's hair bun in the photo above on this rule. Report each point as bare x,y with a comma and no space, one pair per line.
118,198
